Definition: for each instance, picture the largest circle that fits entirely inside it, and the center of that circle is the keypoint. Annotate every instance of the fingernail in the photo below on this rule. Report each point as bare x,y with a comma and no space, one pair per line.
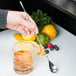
28,33
32,33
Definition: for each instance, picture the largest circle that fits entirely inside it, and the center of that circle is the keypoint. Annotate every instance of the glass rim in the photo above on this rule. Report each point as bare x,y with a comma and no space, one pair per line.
13,48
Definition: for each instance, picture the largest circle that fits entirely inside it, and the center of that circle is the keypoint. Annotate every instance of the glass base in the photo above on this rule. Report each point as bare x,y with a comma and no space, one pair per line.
23,71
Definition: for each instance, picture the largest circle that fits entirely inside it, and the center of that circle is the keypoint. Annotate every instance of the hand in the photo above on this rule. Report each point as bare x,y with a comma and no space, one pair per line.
21,22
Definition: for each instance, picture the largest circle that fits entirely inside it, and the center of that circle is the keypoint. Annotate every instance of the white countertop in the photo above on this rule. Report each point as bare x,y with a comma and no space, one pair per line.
64,58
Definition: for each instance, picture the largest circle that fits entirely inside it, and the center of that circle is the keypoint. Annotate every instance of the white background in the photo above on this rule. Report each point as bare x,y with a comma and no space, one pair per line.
65,58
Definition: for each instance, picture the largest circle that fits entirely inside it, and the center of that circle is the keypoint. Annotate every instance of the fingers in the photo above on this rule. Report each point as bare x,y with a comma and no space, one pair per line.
29,22
32,32
27,32
24,30
34,26
20,28
30,25
36,30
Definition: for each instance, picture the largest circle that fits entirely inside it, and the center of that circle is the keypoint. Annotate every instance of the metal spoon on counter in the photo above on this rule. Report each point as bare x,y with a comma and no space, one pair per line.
52,67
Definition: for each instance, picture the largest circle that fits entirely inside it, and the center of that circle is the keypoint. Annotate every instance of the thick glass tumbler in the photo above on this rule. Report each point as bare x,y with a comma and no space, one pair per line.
23,57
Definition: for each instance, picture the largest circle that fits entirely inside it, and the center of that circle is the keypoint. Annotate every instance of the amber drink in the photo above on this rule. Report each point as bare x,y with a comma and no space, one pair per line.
23,57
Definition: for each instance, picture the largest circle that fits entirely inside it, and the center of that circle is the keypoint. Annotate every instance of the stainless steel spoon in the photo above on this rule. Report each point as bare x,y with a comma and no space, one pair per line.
52,67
